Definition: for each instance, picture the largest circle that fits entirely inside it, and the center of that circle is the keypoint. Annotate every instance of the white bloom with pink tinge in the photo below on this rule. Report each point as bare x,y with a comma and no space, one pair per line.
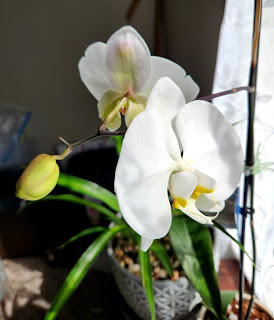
121,73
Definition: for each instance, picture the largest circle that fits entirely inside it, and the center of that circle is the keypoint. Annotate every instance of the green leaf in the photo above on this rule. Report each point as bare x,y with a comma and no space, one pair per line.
193,246
147,279
88,188
162,256
227,297
88,203
83,233
218,226
118,143
72,198
80,269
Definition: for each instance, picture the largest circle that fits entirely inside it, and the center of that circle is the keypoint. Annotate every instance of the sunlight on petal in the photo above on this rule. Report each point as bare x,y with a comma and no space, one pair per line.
167,99
211,145
142,176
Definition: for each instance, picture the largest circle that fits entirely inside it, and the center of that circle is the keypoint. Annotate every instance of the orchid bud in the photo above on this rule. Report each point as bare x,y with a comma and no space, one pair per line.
38,179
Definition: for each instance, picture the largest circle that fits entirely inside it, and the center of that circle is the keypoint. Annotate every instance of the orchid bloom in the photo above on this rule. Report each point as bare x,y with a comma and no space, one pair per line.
121,73
189,149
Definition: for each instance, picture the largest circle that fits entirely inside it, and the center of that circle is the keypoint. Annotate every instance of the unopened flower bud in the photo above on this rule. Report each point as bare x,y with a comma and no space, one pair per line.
38,179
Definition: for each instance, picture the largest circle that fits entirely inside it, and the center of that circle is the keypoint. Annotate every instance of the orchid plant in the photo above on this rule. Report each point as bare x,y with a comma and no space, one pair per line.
177,152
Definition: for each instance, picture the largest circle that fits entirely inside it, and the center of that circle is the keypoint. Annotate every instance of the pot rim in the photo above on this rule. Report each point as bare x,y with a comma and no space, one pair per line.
246,296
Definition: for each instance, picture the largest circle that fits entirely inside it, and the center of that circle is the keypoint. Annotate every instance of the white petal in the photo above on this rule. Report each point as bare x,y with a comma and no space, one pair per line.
191,211
145,243
142,175
190,88
205,184
182,185
93,71
205,204
127,60
211,145
106,104
161,67
167,99
135,107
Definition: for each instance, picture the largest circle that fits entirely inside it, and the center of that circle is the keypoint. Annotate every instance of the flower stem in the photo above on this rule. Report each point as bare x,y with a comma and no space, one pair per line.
132,9
74,145
250,89
102,129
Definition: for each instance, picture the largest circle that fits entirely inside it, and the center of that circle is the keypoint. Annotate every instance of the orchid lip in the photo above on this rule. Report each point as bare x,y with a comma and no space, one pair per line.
128,95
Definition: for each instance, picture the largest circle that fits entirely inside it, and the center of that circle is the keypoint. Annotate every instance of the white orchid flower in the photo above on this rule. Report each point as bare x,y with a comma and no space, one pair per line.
189,149
121,73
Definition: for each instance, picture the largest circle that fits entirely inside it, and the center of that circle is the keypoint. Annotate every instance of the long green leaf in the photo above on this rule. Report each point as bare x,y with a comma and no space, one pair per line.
80,269
72,198
118,143
82,234
227,297
147,279
162,256
192,244
218,226
88,203
88,188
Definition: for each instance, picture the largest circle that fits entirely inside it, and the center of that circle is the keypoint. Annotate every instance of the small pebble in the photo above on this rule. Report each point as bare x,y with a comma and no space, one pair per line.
134,268
175,275
118,253
128,261
155,264
163,274
157,269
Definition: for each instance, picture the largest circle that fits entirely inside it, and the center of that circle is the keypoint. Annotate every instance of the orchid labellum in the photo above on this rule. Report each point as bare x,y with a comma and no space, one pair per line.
188,149
121,73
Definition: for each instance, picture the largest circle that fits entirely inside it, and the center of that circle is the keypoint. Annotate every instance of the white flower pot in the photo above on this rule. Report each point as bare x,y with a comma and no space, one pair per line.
173,300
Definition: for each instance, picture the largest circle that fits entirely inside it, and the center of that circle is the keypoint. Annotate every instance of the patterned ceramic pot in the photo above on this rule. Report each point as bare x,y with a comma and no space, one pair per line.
173,300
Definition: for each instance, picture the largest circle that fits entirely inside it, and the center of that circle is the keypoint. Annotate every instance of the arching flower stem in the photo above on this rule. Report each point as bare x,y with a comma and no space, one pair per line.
72,146
224,93
102,129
